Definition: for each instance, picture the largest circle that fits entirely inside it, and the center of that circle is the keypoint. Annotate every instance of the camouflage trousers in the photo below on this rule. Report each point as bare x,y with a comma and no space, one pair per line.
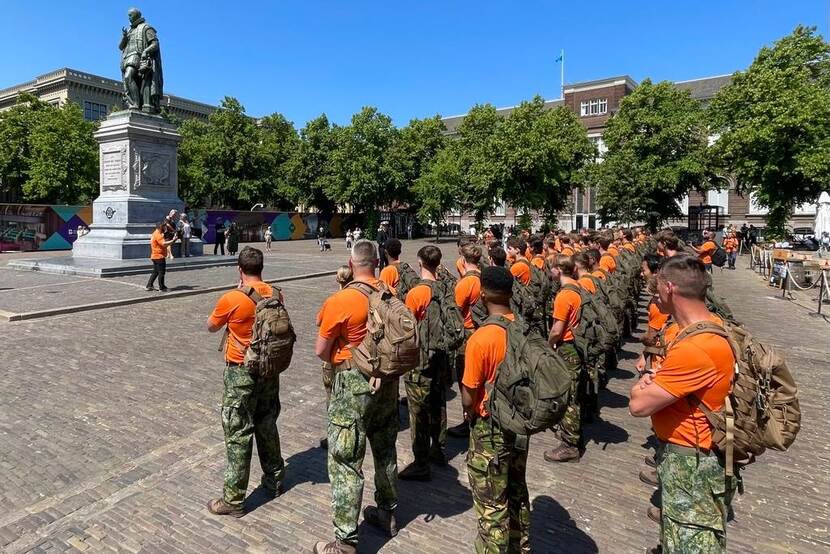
250,407
328,380
356,414
426,392
496,470
570,428
696,498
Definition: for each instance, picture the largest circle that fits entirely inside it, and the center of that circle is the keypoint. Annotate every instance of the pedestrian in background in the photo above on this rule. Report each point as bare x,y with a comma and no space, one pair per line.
219,238
268,238
158,254
233,239
186,233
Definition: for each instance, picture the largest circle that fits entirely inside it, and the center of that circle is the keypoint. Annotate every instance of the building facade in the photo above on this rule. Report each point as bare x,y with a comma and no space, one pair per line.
96,95
595,102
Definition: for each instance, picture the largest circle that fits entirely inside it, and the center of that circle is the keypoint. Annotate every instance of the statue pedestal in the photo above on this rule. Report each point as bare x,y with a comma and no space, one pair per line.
139,187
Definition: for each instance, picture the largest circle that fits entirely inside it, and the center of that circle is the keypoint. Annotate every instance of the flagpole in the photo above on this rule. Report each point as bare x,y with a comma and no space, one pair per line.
562,74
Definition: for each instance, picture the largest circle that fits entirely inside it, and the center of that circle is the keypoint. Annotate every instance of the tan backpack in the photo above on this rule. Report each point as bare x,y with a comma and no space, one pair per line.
272,338
391,346
761,410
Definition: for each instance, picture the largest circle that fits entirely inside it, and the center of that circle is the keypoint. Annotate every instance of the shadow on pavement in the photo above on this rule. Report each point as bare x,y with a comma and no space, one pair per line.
604,432
308,466
443,497
553,530
611,399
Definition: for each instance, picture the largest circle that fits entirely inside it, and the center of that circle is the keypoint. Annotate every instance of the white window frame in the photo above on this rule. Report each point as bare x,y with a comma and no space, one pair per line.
719,198
754,208
593,106
684,204
501,209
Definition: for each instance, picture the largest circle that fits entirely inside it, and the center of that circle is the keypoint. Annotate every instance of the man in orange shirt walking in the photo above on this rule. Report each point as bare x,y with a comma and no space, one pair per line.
698,369
250,403
158,255
495,467
356,413
566,311
706,250
730,245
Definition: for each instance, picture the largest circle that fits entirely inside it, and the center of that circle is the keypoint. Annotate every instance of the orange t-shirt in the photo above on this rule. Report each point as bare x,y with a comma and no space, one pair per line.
459,266
343,316
608,263
418,299
613,250
467,293
391,276
599,274
730,244
586,283
566,308
629,246
702,365
656,318
485,350
567,251
521,270
528,253
538,261
158,251
236,310
706,252
558,245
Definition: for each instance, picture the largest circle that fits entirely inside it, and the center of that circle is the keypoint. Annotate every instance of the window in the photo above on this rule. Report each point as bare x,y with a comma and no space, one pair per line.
600,146
594,106
501,209
94,111
718,198
684,204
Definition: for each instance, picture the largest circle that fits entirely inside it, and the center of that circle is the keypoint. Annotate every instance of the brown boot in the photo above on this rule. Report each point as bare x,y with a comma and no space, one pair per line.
649,477
563,453
655,514
334,547
382,519
219,507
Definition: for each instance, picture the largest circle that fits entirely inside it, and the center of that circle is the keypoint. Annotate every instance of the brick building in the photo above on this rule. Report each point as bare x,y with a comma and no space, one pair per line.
595,102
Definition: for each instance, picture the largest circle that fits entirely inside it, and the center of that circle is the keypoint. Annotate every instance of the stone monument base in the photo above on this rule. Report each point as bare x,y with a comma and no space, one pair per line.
139,187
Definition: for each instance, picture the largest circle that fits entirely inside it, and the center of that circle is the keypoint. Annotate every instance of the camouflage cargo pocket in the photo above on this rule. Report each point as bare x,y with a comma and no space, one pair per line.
343,438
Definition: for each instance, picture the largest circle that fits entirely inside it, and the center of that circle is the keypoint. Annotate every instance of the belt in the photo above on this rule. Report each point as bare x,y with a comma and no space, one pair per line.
686,450
233,364
345,365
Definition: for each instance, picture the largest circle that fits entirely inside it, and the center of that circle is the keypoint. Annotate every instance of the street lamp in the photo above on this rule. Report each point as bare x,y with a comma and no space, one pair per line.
257,205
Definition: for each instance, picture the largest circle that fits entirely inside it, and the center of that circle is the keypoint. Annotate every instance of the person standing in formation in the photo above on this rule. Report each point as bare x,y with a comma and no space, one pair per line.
250,404
357,413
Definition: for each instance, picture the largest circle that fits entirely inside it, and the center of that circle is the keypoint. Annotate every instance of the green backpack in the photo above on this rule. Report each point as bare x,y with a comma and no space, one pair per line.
442,329
616,293
604,305
533,298
478,311
592,337
532,385
407,278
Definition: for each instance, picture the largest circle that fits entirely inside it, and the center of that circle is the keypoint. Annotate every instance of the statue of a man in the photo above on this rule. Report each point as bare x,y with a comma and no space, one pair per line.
141,65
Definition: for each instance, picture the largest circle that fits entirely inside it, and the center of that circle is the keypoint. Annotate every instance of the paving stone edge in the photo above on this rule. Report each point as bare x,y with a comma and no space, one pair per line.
21,316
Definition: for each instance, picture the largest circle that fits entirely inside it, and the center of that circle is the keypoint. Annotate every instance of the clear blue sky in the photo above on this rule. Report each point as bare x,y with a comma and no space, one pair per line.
410,59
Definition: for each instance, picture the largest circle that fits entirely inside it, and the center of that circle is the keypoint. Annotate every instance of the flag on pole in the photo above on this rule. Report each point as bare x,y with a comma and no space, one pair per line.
559,58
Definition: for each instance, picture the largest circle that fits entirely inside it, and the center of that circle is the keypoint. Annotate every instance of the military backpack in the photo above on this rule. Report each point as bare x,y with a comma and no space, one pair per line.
761,410
407,278
592,335
532,384
391,346
442,329
272,337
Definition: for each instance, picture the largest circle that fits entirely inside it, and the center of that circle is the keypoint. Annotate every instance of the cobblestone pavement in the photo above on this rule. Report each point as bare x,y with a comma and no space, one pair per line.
111,435
28,291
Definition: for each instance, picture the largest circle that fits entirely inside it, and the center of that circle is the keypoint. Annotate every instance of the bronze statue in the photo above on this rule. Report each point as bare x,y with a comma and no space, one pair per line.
141,65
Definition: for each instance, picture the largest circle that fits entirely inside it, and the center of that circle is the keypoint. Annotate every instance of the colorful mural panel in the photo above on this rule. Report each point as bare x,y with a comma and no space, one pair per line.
28,227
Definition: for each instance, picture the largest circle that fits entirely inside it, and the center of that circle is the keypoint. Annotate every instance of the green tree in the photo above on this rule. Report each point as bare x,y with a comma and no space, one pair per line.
361,174
48,153
544,153
221,161
439,187
414,148
657,145
774,124
278,144
309,171
481,153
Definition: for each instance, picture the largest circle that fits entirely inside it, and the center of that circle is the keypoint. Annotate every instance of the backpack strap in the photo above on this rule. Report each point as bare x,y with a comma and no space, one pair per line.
256,298
700,328
473,272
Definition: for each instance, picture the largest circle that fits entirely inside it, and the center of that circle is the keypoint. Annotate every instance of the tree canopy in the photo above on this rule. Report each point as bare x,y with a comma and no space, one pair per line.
656,154
774,124
48,153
